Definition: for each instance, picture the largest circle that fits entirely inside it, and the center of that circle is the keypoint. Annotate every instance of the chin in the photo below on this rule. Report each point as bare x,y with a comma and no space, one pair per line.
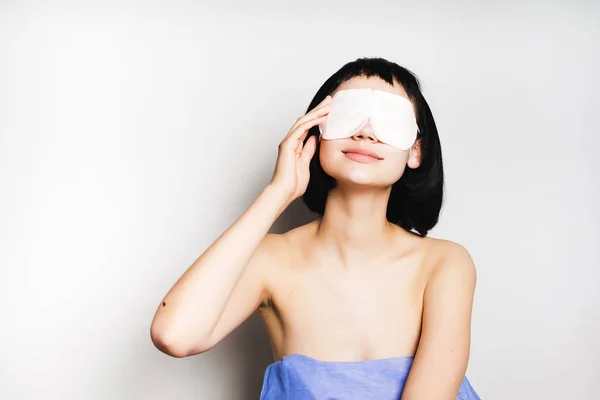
358,183
349,173
363,183
359,176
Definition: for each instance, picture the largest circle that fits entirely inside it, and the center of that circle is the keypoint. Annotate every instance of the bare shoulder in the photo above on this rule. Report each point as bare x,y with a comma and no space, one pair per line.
271,243
448,259
297,237
269,256
277,253
277,247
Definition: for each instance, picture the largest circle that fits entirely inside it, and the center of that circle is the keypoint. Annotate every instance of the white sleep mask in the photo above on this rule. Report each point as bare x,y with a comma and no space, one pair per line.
391,116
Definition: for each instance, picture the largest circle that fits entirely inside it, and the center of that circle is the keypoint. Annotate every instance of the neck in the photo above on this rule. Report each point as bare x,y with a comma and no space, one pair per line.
354,224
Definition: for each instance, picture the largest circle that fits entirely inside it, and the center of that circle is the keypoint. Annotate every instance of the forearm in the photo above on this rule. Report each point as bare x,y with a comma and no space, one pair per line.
191,309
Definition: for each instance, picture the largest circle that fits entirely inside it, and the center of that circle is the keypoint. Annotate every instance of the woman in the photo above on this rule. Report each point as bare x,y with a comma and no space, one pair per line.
359,304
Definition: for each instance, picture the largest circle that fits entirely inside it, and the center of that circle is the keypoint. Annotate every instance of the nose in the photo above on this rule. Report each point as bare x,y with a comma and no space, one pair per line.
366,133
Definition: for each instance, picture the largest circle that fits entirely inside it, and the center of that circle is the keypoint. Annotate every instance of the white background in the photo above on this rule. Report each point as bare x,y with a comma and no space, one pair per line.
133,133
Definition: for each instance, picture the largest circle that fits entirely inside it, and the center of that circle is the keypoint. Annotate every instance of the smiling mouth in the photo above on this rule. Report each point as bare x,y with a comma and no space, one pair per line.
361,157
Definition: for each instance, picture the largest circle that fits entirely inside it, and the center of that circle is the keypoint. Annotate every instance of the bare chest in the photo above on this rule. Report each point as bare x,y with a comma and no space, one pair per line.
370,313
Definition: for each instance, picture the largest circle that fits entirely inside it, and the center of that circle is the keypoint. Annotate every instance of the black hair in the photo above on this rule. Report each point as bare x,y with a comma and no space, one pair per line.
416,198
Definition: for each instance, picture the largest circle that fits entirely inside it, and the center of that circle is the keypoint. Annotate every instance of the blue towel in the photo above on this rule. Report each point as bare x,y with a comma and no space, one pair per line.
299,377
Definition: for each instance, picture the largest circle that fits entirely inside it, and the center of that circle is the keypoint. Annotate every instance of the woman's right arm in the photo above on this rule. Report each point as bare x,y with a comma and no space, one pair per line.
227,282
187,320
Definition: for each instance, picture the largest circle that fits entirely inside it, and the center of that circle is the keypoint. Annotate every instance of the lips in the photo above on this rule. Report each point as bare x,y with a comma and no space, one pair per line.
362,154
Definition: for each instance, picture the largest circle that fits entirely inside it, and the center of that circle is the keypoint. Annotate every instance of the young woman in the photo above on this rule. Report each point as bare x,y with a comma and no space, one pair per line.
359,304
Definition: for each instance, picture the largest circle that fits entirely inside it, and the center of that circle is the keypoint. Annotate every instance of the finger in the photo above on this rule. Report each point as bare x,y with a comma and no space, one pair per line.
301,132
299,148
309,124
308,151
307,118
326,100
321,109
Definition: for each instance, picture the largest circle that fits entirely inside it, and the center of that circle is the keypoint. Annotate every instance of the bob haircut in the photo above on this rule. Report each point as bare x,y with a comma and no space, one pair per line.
416,198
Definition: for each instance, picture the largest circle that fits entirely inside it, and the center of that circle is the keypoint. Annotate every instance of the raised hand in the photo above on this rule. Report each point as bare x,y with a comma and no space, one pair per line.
291,173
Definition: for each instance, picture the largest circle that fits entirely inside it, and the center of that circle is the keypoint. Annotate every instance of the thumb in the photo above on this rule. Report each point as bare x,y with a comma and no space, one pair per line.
308,151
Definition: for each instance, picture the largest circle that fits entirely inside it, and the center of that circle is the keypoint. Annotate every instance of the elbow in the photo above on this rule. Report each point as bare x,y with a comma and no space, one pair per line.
174,346
169,347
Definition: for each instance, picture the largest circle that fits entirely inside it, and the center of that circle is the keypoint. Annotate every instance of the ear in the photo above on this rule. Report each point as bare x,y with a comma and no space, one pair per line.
414,155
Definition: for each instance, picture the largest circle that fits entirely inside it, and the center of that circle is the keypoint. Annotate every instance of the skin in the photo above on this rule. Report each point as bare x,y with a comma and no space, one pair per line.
348,287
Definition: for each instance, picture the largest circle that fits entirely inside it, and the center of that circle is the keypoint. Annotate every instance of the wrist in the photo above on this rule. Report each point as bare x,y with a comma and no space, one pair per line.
277,195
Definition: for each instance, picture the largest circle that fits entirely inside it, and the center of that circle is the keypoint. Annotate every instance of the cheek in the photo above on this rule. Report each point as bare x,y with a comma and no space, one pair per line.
327,156
397,171
396,165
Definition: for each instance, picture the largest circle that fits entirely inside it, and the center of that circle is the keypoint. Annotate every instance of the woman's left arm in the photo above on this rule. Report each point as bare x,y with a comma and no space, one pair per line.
443,353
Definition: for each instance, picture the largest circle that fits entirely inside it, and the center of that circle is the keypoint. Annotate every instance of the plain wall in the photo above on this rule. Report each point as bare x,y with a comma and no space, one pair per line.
134,133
